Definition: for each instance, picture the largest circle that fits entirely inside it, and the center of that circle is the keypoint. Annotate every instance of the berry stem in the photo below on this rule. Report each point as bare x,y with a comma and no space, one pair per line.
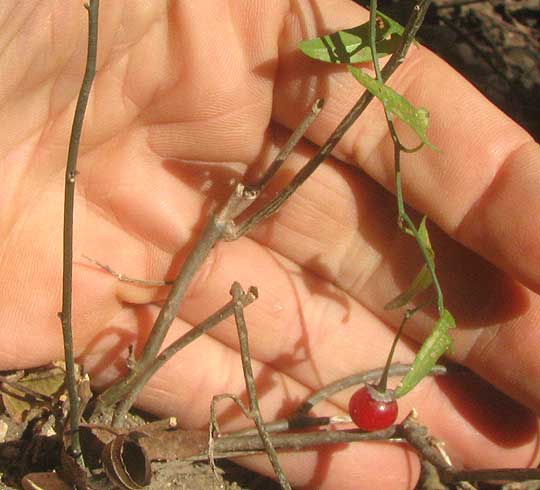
383,382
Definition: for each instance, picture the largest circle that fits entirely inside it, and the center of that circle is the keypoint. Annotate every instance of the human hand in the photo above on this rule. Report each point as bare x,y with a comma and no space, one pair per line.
188,96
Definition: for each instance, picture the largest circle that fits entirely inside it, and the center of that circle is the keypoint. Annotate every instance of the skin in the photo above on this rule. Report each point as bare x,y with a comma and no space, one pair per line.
191,95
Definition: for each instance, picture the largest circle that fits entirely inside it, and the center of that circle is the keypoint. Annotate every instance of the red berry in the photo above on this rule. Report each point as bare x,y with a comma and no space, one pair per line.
371,410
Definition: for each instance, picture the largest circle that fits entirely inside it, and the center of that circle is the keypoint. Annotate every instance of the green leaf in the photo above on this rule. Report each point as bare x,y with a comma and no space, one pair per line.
417,119
419,284
432,349
352,45
424,235
423,279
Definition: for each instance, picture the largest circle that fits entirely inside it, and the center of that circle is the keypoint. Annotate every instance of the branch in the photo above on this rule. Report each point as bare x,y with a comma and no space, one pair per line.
222,225
415,21
218,227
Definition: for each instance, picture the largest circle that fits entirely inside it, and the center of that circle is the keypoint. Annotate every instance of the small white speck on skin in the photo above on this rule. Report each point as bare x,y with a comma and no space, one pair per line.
277,308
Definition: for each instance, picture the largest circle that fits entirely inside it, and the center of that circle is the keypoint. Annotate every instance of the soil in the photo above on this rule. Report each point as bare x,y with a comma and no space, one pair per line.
496,45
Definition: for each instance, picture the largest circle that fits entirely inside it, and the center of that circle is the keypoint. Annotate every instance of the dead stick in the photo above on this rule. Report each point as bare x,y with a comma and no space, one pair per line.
69,198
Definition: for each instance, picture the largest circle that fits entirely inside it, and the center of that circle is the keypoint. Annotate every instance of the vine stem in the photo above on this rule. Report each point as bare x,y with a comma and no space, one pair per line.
404,220
69,198
403,217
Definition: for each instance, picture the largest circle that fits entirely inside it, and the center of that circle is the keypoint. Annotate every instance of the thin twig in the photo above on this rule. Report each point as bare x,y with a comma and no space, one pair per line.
293,140
167,314
38,397
213,426
241,328
69,197
124,278
417,436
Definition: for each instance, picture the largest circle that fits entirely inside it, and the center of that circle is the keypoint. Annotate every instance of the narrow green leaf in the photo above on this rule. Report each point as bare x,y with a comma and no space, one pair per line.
417,119
422,280
424,235
352,45
419,284
432,349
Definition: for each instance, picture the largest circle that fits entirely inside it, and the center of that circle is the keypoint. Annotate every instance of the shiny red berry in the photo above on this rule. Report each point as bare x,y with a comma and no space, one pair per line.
371,410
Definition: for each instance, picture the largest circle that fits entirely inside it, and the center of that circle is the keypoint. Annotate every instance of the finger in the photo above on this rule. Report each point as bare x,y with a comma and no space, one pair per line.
482,189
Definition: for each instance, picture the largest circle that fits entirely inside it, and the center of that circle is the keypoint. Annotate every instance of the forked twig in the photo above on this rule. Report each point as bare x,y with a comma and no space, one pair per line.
217,228
414,23
222,225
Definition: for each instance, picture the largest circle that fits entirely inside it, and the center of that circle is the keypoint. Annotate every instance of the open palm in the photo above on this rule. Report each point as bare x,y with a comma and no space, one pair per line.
188,97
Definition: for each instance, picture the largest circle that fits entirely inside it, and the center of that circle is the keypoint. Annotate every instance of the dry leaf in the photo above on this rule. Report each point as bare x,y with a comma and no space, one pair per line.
44,481
45,381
